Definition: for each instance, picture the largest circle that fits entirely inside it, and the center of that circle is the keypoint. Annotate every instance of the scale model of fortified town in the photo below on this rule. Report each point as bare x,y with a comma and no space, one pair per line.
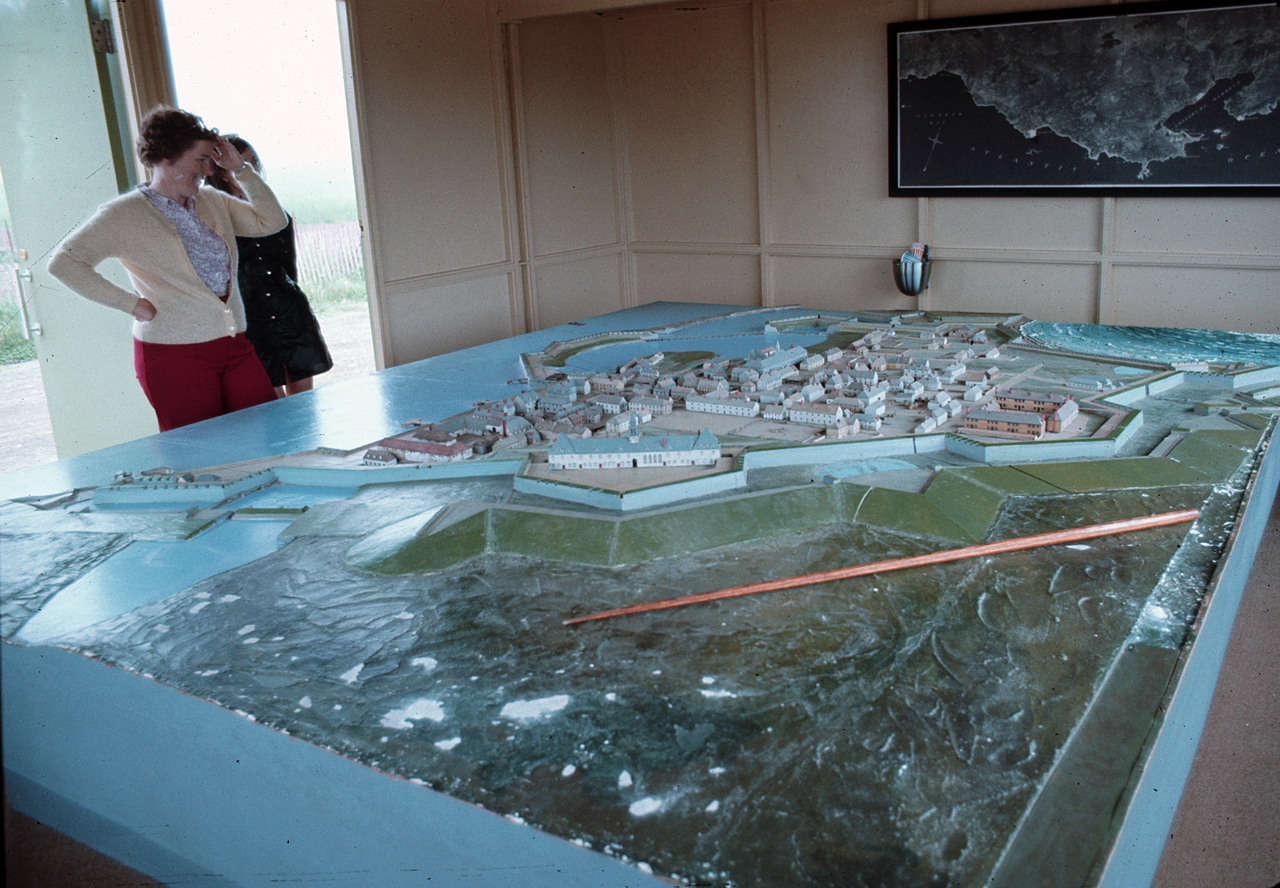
894,377
414,603
914,377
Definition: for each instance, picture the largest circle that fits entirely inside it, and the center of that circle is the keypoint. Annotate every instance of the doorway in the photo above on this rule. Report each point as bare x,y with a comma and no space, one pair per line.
278,83
26,435
57,142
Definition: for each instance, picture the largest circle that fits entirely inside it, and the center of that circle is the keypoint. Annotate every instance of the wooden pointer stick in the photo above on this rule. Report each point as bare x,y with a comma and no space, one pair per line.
1053,538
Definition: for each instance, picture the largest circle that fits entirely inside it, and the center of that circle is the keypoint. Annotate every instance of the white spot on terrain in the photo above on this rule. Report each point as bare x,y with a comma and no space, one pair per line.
646,806
525,710
418,710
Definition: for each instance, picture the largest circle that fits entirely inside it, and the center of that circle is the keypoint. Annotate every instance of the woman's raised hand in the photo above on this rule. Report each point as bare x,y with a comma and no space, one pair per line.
226,156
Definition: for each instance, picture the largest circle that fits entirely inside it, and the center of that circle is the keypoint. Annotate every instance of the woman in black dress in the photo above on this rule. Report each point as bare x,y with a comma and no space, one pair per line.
281,326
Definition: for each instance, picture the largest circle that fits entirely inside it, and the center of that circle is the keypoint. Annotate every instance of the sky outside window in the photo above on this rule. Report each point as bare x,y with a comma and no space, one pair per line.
271,70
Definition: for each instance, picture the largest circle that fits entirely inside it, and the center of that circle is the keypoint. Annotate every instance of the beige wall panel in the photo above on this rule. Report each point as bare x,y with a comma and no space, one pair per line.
1017,223
511,10
639,127
691,125
570,291
842,284
432,140
939,9
448,317
1241,226
1044,291
1244,300
828,142
567,135
684,277
837,283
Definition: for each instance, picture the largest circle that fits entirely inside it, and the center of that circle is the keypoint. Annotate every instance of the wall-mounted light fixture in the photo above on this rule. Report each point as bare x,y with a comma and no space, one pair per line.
911,272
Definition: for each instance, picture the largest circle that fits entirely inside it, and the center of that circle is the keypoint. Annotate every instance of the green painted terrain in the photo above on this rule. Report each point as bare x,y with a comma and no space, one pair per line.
1215,454
678,362
559,353
738,520
959,507
1096,475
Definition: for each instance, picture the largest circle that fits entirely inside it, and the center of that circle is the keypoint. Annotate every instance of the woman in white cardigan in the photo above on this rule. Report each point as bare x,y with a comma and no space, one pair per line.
176,238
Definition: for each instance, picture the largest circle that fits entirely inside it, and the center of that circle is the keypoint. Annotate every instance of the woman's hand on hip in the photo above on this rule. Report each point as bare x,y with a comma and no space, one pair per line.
143,309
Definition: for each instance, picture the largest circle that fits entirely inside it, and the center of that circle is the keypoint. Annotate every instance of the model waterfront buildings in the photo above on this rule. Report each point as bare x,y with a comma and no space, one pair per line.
767,359
428,445
1014,422
1025,413
832,392
726,405
817,414
918,374
652,451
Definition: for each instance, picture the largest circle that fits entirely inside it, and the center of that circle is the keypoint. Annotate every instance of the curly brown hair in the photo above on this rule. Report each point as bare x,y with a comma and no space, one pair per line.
166,133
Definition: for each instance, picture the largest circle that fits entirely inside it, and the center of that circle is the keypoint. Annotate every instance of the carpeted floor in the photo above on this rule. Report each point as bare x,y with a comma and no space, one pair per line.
1227,828
37,856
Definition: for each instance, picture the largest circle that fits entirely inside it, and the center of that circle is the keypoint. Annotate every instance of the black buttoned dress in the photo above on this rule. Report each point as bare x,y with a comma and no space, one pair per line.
281,326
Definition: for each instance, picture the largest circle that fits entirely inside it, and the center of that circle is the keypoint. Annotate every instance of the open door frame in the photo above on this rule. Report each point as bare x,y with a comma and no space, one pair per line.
146,71
64,152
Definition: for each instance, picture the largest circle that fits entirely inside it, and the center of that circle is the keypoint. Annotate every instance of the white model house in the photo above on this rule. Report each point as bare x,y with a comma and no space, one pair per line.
652,451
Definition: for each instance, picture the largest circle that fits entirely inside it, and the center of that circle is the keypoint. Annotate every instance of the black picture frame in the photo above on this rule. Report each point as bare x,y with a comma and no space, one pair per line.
1146,99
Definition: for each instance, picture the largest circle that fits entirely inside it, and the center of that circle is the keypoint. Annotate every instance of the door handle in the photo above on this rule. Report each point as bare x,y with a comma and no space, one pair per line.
29,327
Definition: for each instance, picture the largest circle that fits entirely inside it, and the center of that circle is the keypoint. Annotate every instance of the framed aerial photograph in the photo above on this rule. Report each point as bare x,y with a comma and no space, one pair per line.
1141,99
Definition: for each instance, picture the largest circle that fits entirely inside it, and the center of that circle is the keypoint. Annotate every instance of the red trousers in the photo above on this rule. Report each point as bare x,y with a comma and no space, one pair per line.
190,382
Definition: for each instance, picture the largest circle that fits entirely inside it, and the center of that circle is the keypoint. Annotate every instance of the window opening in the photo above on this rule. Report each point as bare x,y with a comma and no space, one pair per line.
279,84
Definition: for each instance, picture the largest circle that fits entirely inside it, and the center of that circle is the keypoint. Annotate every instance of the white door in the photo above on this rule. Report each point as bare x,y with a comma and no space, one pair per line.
55,151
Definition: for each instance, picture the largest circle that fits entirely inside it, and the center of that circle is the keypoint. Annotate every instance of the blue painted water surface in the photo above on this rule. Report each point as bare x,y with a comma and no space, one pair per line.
290,496
147,571
1165,344
727,336
609,358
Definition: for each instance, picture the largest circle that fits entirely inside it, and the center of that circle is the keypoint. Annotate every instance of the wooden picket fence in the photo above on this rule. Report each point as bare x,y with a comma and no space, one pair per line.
10,291
327,250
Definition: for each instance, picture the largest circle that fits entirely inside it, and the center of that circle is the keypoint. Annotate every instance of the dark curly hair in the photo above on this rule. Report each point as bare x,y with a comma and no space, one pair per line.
166,133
